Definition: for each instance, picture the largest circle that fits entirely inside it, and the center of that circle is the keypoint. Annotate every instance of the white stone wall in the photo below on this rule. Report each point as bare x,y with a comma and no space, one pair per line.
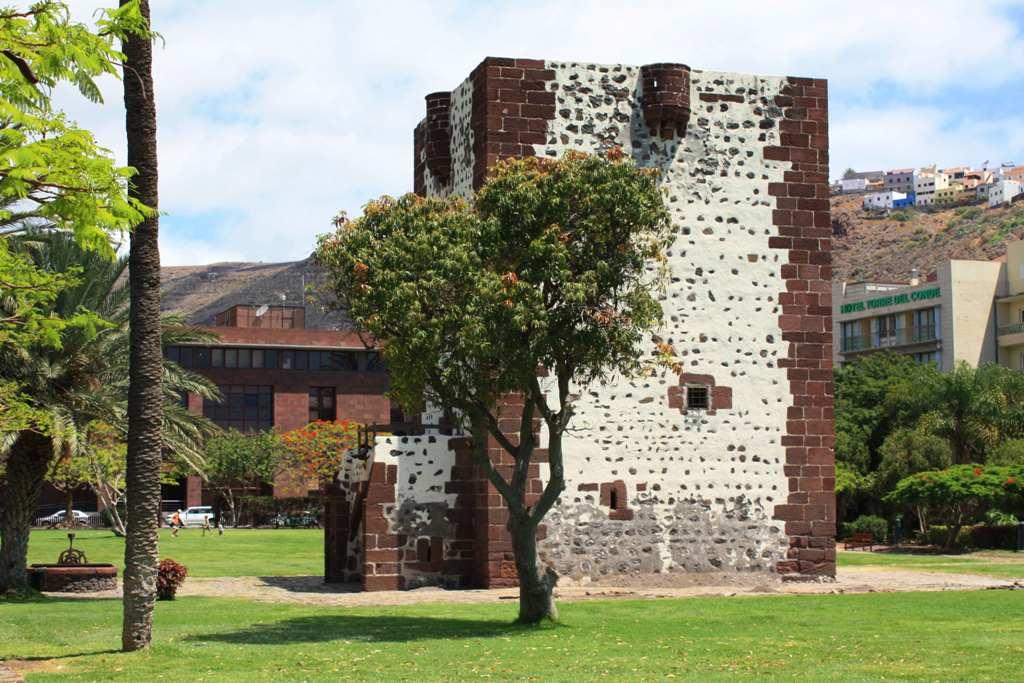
711,481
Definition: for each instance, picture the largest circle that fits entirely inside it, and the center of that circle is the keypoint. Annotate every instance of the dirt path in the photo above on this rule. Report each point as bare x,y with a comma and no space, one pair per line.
310,590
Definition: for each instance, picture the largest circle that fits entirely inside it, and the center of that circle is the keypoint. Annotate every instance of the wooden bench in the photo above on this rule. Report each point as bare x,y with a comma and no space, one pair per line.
862,540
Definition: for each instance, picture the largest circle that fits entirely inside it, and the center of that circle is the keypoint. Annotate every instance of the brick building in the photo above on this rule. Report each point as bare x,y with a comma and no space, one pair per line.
278,362
725,466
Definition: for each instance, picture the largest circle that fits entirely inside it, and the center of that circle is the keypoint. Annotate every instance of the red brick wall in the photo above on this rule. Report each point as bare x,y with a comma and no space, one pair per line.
805,234
511,110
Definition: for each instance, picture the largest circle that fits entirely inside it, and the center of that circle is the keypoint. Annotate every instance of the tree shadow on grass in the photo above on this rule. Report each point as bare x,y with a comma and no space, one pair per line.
69,655
365,628
310,584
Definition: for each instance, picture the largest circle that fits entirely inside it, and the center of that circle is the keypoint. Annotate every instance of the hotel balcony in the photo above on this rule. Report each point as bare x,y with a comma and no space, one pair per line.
1011,335
907,336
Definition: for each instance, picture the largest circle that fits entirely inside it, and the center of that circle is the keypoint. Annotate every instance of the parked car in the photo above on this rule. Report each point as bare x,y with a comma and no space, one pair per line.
81,518
297,520
193,516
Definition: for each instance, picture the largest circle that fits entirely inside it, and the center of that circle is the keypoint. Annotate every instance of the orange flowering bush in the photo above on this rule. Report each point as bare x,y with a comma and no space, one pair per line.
319,448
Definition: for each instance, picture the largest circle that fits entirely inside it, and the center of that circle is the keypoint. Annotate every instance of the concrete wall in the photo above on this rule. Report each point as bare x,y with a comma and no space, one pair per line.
971,315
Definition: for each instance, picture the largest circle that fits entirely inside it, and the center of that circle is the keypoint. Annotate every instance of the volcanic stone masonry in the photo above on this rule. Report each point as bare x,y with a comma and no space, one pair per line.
725,466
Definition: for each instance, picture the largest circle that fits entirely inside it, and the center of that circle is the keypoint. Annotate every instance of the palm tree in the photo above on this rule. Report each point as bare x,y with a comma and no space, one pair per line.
145,369
966,407
83,380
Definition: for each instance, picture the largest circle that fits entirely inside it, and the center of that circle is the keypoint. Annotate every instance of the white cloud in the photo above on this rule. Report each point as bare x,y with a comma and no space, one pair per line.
283,113
891,137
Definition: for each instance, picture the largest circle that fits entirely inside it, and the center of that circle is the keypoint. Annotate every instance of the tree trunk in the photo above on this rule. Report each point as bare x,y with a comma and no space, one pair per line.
536,589
145,395
27,465
69,506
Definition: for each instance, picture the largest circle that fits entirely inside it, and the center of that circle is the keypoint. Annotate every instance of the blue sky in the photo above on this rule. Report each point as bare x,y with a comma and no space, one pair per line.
273,116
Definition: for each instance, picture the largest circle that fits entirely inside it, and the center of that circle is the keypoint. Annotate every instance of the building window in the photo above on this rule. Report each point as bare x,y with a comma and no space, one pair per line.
924,323
239,358
697,398
321,404
851,338
244,407
927,357
886,330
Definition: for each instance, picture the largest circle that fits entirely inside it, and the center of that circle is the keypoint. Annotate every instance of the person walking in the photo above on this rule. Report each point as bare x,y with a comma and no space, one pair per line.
206,525
176,523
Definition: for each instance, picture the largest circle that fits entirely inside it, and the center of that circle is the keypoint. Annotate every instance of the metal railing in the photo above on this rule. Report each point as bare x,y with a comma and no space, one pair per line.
901,337
1015,328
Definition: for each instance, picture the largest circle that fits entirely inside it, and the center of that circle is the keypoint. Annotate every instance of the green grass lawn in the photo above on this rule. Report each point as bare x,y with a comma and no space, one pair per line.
997,563
907,636
241,552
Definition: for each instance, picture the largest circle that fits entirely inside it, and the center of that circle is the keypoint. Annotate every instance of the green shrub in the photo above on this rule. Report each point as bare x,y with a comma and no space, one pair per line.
872,524
969,212
1009,452
902,216
938,535
994,536
977,537
1000,518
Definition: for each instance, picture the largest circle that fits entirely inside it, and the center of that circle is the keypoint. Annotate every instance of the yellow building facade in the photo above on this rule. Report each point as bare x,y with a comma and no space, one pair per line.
969,311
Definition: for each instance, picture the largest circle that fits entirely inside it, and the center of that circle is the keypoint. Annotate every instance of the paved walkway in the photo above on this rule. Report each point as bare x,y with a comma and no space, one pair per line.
311,590
8,676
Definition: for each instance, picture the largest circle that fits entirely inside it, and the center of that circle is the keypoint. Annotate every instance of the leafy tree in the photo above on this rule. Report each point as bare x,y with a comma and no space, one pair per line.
548,274
53,173
105,462
83,380
235,462
146,369
868,405
1009,452
961,494
69,471
906,452
909,451
849,173
851,487
318,449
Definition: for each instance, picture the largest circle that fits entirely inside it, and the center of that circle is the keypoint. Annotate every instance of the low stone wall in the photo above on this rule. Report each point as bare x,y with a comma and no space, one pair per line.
86,578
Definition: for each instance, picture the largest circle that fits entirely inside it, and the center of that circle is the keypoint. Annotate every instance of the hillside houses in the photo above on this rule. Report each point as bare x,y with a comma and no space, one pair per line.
931,186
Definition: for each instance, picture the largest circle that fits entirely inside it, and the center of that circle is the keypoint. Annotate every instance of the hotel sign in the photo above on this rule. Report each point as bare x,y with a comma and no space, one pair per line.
891,300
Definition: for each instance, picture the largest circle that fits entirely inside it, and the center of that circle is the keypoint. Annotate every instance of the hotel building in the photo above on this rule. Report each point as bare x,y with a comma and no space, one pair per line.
970,311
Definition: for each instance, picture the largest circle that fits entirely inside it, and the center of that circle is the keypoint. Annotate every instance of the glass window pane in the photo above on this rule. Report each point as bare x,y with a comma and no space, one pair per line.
270,357
245,358
231,358
186,357
201,357
287,360
217,358
171,353
257,358
301,360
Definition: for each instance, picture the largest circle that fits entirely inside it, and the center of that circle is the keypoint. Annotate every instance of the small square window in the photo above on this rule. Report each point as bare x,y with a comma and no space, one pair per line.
697,398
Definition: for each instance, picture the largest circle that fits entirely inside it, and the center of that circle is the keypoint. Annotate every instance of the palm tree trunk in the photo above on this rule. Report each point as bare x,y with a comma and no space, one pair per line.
27,465
145,395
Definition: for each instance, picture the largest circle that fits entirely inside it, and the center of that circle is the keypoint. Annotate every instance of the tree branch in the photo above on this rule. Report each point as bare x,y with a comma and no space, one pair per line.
23,67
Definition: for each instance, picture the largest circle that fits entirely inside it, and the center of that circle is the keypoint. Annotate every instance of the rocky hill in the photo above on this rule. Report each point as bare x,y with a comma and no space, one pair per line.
887,249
